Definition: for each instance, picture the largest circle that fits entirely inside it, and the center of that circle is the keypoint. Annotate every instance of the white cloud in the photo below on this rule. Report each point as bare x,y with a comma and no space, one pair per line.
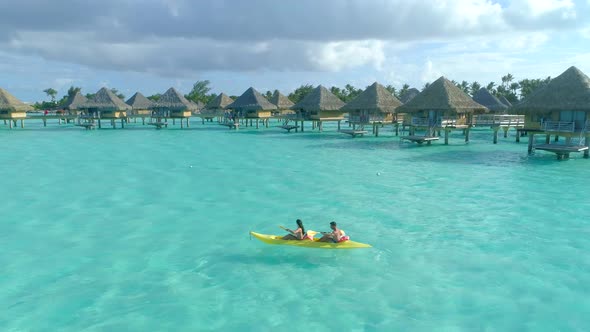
337,56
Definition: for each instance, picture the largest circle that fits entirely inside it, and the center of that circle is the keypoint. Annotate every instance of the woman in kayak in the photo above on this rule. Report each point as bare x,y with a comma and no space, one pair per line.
298,234
335,236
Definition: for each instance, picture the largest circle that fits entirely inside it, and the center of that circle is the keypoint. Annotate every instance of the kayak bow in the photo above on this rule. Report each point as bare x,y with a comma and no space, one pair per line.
277,240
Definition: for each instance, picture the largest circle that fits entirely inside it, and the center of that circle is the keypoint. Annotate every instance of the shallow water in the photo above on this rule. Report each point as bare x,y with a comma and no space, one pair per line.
147,230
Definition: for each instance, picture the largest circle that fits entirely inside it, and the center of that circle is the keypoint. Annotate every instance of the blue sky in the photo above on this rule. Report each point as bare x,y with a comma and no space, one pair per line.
151,45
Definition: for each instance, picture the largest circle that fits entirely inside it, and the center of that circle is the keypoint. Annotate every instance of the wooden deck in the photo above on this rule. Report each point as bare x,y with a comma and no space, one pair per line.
86,125
288,128
230,125
562,151
420,139
354,133
158,124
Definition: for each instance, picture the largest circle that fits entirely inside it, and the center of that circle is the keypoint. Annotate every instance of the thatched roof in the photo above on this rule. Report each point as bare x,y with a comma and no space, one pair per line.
252,100
9,103
409,95
174,100
319,99
484,97
140,102
220,102
374,98
569,91
442,95
75,102
281,101
505,101
105,99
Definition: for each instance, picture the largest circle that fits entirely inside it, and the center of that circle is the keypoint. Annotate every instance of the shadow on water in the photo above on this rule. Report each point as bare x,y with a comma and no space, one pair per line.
296,257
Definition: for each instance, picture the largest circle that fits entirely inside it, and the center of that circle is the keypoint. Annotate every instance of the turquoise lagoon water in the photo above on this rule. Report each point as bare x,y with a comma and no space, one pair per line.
146,230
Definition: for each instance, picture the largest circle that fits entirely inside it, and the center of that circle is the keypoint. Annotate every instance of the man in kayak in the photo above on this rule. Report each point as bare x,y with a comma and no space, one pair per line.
334,236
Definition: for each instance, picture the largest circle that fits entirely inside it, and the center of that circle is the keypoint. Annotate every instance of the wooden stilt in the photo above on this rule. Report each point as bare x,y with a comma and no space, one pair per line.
446,137
10,124
302,125
547,139
338,125
143,121
467,135
44,122
181,123
531,140
377,131
506,131
22,123
518,137
122,123
257,123
188,124
321,127
397,129
556,138
496,135
587,152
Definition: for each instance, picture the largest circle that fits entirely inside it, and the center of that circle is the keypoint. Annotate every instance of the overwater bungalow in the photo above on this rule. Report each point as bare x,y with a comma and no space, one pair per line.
409,95
485,98
12,109
497,118
104,105
216,108
74,102
441,106
375,106
505,101
172,104
252,105
141,106
560,108
283,104
318,106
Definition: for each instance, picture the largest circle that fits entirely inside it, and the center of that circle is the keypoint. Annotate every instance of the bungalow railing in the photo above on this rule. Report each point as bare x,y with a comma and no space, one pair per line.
559,126
499,120
426,122
366,118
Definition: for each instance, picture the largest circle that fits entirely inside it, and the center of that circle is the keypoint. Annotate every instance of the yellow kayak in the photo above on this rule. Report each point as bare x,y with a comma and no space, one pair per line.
274,239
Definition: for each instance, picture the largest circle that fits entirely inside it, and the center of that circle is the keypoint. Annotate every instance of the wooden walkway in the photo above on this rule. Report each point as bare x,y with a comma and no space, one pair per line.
420,139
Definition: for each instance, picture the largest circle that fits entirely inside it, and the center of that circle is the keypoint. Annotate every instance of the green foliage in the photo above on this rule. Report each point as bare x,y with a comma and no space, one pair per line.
118,94
347,94
392,90
268,95
426,85
200,92
71,92
300,93
155,97
90,95
474,87
51,92
528,86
